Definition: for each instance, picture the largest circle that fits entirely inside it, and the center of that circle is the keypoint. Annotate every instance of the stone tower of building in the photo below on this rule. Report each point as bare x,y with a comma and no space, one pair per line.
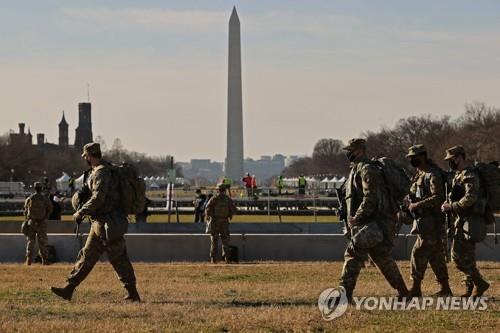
234,154
83,133
63,132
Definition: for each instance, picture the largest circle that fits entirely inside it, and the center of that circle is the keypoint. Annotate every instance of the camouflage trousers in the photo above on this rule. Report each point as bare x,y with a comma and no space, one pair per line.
37,232
428,251
463,254
355,257
92,251
221,229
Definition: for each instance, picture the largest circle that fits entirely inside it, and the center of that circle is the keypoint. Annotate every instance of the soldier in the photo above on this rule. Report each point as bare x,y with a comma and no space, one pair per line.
37,209
425,199
220,209
108,226
467,204
368,210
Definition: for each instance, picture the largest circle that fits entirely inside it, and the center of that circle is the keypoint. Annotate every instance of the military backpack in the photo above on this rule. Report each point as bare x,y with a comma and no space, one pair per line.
395,177
37,207
132,188
490,179
220,207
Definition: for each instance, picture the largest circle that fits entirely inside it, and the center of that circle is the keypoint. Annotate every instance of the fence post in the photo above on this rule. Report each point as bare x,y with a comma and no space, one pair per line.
269,204
314,204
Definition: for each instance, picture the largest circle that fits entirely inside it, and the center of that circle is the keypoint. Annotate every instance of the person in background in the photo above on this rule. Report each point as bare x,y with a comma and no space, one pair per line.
37,209
280,184
55,200
199,206
227,184
71,185
247,180
220,210
254,186
302,185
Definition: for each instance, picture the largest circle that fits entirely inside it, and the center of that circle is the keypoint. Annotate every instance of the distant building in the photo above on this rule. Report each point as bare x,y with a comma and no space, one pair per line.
40,139
63,132
82,137
201,171
83,133
266,167
21,138
290,159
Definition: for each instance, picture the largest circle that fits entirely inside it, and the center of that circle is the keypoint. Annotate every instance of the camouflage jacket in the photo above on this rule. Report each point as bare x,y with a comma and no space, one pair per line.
105,197
427,191
466,195
220,208
37,196
365,191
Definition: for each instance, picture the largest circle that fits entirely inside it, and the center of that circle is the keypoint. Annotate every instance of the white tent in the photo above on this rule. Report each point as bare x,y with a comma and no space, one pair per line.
62,183
312,182
79,182
324,183
332,183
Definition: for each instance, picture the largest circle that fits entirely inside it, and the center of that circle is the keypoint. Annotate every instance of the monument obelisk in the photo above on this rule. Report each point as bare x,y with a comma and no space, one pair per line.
234,154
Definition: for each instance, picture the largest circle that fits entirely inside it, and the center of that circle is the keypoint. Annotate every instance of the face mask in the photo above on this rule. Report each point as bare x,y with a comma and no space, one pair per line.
350,155
415,162
453,165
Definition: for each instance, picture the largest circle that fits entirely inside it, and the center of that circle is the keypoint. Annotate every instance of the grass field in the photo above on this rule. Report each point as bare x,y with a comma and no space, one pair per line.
237,218
219,298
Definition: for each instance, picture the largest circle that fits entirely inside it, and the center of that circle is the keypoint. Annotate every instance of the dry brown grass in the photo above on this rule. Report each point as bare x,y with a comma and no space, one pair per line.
214,298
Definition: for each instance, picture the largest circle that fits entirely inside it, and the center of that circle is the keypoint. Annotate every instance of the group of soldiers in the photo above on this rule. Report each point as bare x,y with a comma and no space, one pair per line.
370,215
372,220
108,225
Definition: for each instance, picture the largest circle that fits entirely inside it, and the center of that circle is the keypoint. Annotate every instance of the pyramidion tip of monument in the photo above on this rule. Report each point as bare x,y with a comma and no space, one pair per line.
234,14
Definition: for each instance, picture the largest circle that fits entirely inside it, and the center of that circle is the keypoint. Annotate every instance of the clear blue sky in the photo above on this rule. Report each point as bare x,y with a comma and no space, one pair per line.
311,69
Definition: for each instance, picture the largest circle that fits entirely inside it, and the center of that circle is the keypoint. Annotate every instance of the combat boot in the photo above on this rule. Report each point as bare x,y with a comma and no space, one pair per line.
481,287
46,262
133,295
403,292
416,289
28,261
469,286
445,290
65,293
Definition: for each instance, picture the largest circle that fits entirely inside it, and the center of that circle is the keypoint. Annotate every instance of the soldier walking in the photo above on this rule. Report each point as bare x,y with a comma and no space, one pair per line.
107,231
220,209
425,199
368,209
467,204
37,209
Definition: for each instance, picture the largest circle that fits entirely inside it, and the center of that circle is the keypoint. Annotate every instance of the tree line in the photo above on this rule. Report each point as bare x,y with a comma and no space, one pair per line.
477,129
30,163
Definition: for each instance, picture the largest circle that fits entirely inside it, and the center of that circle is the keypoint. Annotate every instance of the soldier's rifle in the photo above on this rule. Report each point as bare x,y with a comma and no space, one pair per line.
342,210
84,195
447,230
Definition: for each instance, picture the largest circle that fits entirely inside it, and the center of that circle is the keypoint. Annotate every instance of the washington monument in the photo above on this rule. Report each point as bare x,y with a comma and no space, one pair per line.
234,155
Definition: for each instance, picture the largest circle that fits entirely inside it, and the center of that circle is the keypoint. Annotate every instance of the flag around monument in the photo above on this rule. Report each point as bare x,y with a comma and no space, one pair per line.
234,156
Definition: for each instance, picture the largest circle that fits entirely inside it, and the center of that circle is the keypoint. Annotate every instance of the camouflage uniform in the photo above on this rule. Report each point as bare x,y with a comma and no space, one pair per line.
220,209
463,251
427,192
103,208
467,203
37,230
367,202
